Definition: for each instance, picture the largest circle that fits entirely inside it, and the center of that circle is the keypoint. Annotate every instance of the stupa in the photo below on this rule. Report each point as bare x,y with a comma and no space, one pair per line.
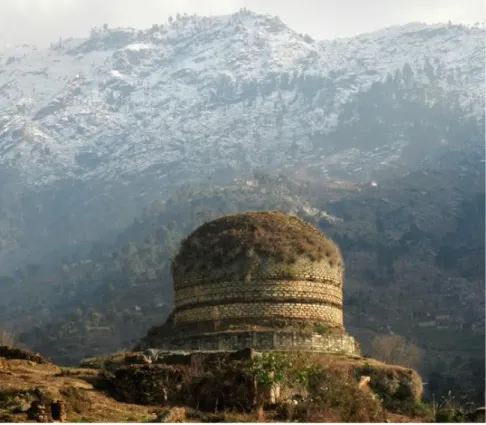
261,280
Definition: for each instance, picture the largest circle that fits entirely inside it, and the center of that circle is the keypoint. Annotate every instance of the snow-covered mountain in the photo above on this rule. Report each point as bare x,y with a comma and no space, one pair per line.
92,130
199,94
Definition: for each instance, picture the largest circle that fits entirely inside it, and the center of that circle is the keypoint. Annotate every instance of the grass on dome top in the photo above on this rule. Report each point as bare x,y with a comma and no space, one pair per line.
249,236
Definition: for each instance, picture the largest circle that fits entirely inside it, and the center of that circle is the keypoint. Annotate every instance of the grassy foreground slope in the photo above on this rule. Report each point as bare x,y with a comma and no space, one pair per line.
211,388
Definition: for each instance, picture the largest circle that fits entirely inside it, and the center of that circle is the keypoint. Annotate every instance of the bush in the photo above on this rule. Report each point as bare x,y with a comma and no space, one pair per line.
330,394
18,354
448,415
334,397
449,410
269,368
399,389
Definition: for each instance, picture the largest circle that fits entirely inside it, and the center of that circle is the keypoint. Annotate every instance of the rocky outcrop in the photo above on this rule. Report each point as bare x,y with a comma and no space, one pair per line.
37,412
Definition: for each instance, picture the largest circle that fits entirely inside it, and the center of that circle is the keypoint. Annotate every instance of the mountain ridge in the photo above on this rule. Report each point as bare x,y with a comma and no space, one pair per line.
121,100
92,130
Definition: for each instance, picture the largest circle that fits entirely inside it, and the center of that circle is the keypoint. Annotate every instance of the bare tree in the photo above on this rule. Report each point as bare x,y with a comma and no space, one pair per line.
394,349
7,338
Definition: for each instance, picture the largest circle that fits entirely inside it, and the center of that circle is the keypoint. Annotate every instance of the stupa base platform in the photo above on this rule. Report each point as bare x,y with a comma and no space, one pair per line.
258,340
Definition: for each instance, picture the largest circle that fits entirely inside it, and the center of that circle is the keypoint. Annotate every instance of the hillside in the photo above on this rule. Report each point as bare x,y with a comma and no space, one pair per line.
115,146
184,388
92,130
412,248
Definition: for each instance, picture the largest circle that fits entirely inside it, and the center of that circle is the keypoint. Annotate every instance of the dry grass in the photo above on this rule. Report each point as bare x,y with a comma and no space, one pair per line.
244,238
73,371
193,415
22,381
109,362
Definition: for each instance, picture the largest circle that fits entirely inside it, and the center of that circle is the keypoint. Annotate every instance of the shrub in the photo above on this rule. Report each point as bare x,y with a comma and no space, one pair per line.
399,389
269,368
448,415
449,410
18,354
334,397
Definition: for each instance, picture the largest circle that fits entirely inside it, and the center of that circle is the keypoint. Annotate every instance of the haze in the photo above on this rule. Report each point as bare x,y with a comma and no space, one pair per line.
43,21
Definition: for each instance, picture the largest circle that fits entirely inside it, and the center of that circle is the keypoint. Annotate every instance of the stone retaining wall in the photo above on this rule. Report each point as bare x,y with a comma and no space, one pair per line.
266,340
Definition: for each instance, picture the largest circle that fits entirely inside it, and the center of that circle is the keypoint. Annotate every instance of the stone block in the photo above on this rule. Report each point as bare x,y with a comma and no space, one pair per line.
243,354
